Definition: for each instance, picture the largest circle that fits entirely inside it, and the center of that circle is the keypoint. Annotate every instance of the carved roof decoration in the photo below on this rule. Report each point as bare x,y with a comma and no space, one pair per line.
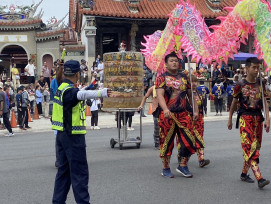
16,12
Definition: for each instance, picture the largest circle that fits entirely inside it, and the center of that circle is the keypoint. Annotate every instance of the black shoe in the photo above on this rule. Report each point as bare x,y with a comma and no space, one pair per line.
262,183
143,116
204,163
246,178
22,128
27,127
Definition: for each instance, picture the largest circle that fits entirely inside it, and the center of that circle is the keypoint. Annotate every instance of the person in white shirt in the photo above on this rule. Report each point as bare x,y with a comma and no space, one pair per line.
101,70
30,72
94,114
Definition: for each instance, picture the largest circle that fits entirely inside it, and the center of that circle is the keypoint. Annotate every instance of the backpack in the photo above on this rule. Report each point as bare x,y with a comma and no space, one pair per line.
219,91
89,102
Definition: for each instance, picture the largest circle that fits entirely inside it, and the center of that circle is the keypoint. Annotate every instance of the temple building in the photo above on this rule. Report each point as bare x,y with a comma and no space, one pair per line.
24,36
102,25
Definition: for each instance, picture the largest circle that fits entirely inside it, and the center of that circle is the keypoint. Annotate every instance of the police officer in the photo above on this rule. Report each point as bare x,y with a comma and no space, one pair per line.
70,122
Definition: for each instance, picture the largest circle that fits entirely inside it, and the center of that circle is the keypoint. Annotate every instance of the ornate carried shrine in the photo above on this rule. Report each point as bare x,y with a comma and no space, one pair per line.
123,73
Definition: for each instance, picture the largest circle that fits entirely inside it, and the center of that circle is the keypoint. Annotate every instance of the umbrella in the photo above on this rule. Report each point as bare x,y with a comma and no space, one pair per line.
243,56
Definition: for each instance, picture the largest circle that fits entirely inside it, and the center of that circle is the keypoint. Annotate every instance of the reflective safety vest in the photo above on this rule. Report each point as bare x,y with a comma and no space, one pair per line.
78,112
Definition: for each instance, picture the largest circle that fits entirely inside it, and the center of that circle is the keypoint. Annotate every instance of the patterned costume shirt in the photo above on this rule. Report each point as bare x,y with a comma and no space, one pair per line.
249,95
176,87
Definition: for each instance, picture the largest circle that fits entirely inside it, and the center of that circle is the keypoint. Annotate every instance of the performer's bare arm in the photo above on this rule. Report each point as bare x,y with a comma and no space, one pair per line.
196,108
147,95
162,102
233,107
267,119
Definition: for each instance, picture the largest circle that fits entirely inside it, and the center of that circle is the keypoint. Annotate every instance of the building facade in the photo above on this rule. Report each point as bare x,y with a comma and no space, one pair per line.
24,36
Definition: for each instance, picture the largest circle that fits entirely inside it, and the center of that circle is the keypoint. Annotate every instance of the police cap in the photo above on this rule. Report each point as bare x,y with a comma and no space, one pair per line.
71,67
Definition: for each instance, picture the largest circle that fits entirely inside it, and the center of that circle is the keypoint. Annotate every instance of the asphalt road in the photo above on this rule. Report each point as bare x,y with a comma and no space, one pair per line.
132,175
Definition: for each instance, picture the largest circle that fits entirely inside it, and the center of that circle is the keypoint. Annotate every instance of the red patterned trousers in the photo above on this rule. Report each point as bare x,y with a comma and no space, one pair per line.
251,136
179,124
251,139
198,132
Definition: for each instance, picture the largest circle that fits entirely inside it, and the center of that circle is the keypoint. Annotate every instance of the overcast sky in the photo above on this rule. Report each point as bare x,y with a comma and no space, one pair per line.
57,8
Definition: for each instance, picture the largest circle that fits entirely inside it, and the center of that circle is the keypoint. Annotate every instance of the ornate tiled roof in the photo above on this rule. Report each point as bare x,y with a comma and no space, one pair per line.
51,34
146,9
153,9
69,37
20,24
73,48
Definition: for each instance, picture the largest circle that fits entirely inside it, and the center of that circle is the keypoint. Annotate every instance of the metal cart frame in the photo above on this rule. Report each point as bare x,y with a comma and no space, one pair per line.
125,139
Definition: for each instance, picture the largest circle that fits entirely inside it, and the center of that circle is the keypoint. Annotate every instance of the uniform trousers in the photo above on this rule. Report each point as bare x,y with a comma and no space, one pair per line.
72,170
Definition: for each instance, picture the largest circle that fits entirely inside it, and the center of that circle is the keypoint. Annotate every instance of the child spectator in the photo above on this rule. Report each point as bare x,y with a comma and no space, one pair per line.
46,99
31,95
39,97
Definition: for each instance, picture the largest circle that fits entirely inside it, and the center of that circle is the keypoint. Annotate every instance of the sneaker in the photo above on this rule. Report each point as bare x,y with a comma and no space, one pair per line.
97,128
27,127
184,171
246,178
204,163
143,116
216,114
132,128
9,134
262,183
220,114
92,127
22,128
167,173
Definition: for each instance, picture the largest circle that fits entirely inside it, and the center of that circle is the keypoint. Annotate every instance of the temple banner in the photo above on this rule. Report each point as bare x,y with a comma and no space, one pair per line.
123,73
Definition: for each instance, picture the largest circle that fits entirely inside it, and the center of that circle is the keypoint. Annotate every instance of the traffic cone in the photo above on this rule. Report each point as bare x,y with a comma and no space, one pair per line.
29,116
150,109
36,114
88,113
13,123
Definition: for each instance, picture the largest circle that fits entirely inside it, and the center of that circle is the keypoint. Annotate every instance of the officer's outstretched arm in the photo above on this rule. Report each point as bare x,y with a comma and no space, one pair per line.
89,94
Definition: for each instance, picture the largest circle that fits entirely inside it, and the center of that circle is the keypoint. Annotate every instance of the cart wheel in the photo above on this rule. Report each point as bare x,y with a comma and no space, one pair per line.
121,146
112,143
138,145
